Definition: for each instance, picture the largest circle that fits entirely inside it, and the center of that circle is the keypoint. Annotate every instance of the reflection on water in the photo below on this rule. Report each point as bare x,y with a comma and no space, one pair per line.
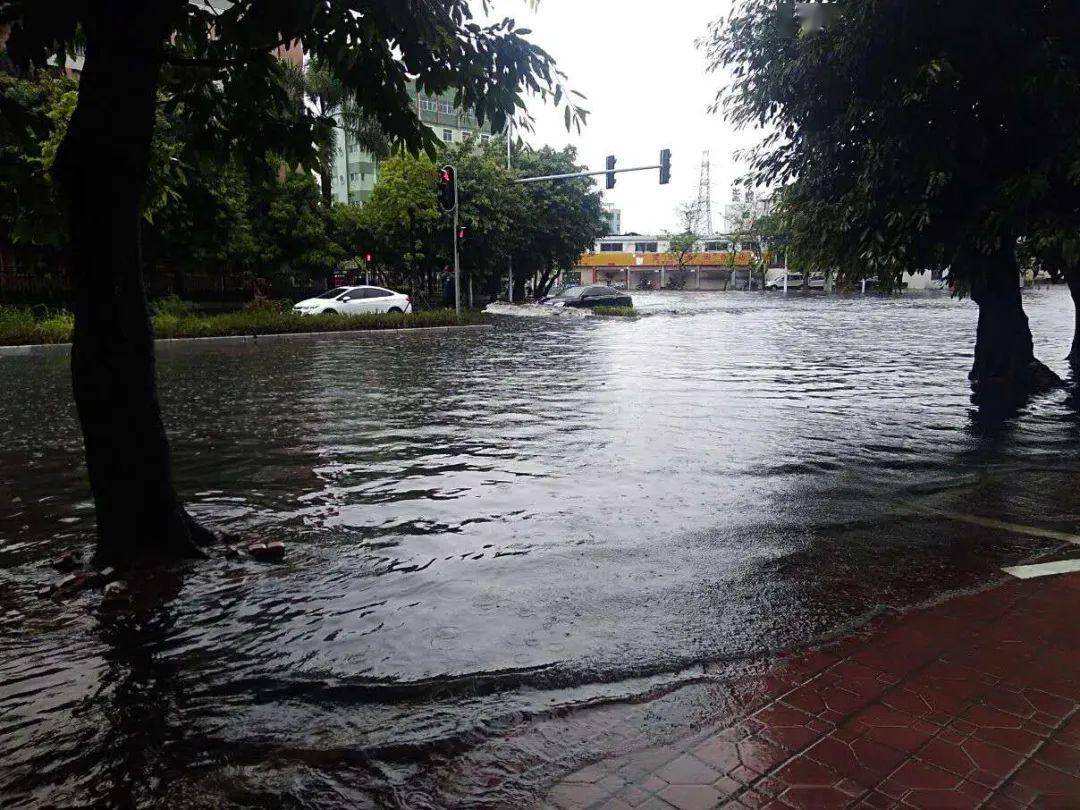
489,526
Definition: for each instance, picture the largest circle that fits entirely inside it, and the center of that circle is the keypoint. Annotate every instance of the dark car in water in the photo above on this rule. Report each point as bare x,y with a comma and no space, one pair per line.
590,296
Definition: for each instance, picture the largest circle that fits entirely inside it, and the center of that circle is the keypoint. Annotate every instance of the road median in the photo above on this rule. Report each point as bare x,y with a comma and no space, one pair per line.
23,332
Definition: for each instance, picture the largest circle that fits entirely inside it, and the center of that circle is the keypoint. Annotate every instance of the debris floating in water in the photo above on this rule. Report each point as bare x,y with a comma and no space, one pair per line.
267,552
117,595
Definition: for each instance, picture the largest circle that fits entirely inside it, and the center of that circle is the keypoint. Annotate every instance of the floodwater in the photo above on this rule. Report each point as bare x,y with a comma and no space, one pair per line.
492,527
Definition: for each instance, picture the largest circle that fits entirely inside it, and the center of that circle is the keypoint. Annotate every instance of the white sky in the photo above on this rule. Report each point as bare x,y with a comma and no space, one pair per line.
646,88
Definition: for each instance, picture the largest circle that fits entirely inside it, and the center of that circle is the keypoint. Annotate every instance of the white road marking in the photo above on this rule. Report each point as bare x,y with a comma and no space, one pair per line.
1043,569
990,523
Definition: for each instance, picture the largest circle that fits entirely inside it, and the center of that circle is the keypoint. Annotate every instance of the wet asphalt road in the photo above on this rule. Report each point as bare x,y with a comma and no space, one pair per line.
491,526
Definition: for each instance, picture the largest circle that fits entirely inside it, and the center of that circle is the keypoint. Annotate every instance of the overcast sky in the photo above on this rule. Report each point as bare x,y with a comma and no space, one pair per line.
647,89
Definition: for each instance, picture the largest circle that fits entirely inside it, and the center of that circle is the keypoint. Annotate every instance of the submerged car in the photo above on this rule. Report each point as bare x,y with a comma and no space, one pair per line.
583,296
795,280
354,301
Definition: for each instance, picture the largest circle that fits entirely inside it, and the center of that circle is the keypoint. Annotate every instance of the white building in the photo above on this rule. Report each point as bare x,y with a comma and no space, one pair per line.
614,218
658,243
355,171
739,214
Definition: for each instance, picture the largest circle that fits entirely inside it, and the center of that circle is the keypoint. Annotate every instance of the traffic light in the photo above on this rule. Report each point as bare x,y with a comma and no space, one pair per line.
445,188
368,257
665,166
461,233
610,176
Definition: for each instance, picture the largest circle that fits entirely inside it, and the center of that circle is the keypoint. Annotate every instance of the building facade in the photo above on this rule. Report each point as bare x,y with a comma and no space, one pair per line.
628,260
613,217
740,214
356,171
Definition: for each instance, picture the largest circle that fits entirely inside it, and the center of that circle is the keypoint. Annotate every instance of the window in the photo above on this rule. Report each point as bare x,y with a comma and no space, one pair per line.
445,107
484,137
377,292
427,104
465,133
354,176
645,247
716,246
571,292
611,247
448,136
334,293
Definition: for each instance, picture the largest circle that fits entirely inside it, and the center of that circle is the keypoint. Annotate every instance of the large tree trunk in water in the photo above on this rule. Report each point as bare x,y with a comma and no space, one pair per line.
1072,277
102,168
1004,352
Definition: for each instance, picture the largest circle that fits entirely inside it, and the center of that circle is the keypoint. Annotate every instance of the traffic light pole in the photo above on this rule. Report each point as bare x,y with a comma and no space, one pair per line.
510,259
457,264
585,174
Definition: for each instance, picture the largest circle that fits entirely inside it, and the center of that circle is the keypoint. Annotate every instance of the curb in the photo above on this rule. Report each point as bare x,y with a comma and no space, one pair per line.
58,348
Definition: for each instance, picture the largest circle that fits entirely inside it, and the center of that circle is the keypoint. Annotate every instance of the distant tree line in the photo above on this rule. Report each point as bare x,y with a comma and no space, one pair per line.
215,211
539,229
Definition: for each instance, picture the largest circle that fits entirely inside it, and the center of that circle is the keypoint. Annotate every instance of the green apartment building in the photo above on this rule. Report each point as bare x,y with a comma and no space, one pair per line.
355,171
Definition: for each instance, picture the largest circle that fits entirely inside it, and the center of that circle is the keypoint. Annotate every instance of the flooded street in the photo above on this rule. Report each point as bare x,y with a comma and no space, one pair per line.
489,527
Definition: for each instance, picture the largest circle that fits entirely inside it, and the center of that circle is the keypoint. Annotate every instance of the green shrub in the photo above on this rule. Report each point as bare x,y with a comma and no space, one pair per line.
57,327
615,312
19,326
269,304
271,321
173,305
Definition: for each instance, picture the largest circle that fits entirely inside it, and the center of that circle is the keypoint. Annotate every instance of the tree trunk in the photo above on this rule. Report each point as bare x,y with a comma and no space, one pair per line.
1004,352
324,178
547,278
102,168
1072,276
519,284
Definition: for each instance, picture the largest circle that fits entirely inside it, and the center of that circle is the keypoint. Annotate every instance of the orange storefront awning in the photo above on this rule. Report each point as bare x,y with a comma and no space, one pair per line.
630,260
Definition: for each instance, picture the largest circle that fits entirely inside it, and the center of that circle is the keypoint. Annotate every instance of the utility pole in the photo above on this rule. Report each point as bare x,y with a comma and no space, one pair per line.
510,259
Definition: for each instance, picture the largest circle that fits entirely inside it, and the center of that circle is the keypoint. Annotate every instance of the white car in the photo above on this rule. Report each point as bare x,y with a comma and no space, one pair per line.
354,301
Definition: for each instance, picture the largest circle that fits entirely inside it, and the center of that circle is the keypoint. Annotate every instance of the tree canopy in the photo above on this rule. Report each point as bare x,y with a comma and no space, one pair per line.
561,219
220,66
543,228
214,67
907,146
904,144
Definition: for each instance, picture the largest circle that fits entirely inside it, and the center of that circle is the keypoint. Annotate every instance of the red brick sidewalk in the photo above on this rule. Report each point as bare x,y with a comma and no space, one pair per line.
971,703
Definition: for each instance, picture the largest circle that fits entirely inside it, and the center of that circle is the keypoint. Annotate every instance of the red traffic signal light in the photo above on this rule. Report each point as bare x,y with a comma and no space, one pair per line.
368,257
461,233
445,179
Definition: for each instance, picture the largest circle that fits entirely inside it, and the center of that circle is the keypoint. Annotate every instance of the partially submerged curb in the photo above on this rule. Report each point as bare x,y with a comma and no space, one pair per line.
51,348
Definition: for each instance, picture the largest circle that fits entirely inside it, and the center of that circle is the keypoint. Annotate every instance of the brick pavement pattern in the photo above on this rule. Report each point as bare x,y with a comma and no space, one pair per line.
972,703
